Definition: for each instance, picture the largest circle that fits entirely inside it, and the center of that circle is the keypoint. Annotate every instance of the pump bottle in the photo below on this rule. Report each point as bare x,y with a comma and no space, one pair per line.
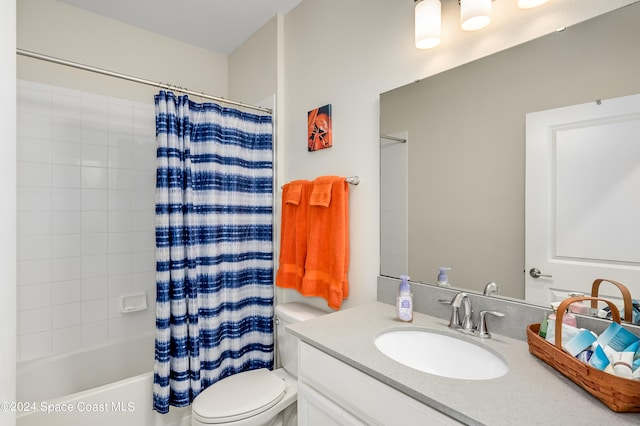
404,300
443,279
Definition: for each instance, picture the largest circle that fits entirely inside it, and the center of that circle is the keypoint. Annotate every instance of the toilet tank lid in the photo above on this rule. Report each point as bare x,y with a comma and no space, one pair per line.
293,312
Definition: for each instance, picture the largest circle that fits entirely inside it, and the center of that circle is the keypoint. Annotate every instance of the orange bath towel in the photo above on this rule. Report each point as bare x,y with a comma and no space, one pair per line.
293,234
327,260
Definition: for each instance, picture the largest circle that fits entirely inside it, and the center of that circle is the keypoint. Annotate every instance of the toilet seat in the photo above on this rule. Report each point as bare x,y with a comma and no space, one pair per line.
238,397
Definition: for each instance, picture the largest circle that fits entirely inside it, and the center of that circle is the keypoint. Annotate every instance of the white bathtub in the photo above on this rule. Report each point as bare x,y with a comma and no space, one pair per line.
107,385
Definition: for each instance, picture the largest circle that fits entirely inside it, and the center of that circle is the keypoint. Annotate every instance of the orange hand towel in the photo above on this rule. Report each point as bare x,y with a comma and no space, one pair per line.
293,234
327,263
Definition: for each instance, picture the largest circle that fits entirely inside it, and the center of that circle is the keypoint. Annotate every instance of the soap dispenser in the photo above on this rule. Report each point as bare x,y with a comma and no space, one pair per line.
443,279
404,300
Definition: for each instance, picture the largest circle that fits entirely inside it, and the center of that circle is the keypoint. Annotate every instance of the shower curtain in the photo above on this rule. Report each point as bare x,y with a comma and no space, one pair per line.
214,252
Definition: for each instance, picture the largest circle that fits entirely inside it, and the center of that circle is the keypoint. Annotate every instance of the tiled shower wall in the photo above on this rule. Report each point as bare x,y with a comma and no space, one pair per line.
86,195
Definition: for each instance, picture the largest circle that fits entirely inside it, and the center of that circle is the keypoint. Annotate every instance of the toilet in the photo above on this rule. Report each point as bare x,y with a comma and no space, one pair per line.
258,397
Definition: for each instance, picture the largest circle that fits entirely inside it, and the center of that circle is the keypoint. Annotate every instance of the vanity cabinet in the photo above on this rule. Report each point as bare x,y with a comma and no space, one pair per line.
331,392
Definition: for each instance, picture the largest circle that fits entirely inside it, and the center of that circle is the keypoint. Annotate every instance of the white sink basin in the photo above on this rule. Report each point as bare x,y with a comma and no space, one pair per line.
441,354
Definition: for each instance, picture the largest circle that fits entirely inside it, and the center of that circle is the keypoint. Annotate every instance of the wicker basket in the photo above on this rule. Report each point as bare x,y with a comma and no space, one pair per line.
617,393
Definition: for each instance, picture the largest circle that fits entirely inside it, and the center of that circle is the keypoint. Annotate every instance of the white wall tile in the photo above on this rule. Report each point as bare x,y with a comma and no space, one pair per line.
34,99
65,152
119,285
144,117
34,271
65,292
34,296
94,177
34,320
146,282
120,264
94,155
66,315
66,130
67,339
30,125
34,150
65,103
65,246
34,345
143,241
120,242
66,222
121,179
34,199
94,266
120,200
94,200
86,181
94,310
34,247
143,159
144,261
120,157
34,174
145,180
95,288
95,133
34,223
143,220
144,200
65,176
145,139
66,269
120,221
93,244
95,108
65,199
120,136
120,113
95,222
95,333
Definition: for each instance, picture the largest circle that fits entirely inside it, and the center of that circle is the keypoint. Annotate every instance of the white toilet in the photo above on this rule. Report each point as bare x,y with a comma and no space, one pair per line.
258,397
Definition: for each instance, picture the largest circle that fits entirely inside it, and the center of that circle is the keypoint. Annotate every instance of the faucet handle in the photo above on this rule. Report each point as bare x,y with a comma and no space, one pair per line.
455,322
482,330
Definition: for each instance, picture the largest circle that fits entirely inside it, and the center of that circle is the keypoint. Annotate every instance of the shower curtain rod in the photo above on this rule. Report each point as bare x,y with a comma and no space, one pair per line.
59,61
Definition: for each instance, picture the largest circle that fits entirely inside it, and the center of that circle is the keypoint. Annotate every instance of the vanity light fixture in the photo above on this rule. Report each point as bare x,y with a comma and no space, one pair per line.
428,23
474,14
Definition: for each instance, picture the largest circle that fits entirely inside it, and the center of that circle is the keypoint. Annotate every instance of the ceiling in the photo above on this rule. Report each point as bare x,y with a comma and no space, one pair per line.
216,25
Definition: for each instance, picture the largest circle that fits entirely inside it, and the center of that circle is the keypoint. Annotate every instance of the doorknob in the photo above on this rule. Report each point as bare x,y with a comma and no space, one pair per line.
535,273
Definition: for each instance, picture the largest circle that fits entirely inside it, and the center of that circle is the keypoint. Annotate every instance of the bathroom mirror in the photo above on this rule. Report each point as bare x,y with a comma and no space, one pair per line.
453,194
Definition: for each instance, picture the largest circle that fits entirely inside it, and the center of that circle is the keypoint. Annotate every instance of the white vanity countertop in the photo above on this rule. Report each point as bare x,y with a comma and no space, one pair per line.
530,393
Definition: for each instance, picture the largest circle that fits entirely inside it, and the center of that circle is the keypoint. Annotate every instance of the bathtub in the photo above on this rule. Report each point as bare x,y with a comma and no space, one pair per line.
107,385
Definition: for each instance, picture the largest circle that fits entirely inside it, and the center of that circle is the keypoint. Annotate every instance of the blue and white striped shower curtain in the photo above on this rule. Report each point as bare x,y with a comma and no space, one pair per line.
214,252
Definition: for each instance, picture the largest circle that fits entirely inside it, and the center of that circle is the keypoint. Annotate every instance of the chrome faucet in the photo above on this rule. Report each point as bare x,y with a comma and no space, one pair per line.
490,288
465,325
